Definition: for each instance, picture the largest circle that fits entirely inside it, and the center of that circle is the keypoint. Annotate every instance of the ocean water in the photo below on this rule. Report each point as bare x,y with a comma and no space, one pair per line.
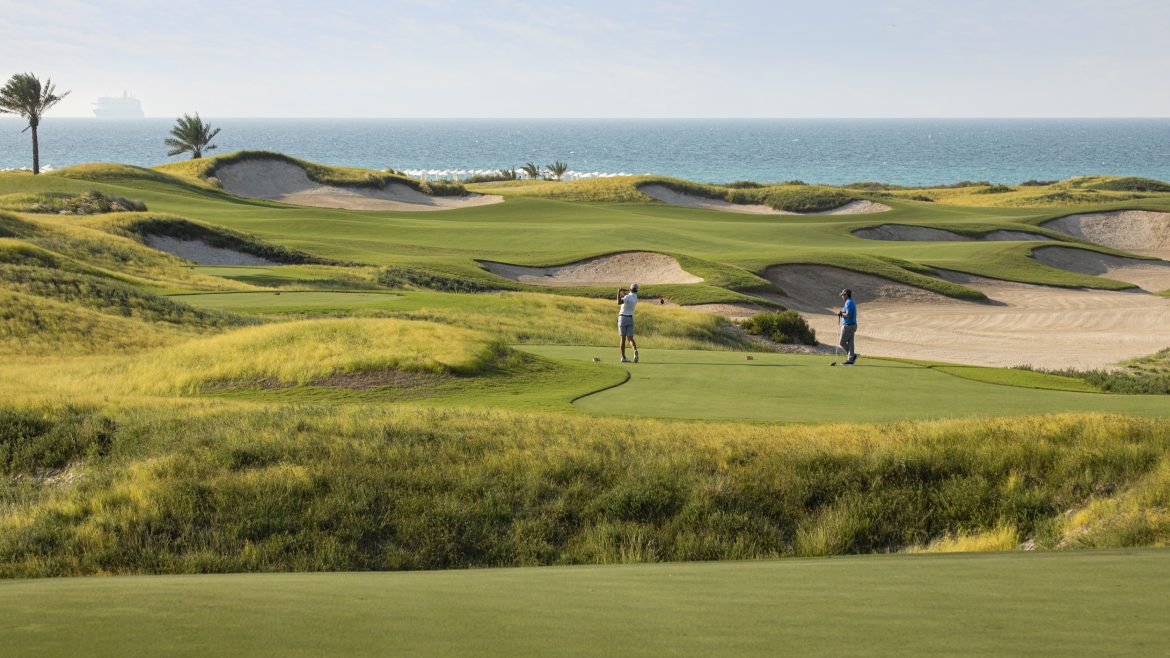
835,151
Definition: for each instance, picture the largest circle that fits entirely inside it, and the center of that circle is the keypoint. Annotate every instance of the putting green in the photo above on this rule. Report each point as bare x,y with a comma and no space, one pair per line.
785,387
1075,603
290,301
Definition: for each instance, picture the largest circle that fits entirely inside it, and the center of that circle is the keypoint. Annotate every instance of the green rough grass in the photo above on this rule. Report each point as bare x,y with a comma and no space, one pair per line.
797,388
1085,603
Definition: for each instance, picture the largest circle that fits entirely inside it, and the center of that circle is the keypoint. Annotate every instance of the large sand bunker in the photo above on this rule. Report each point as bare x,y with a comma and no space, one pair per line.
279,180
1024,324
817,287
1139,231
202,253
643,267
675,198
926,234
1152,275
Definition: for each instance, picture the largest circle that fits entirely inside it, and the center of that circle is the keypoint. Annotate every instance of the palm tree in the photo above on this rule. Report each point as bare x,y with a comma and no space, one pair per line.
532,170
191,134
508,174
557,169
25,95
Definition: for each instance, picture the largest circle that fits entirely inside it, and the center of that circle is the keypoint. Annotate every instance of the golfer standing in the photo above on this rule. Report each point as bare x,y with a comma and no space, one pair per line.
626,303
848,315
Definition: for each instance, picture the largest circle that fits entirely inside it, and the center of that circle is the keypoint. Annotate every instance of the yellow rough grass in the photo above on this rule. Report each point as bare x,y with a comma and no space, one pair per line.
301,352
36,326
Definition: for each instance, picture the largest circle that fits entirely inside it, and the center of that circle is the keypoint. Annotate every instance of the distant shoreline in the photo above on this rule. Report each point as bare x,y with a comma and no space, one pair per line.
915,152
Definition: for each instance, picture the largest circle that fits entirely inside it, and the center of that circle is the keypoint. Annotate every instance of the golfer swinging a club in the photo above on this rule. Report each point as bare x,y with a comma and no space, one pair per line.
848,315
626,302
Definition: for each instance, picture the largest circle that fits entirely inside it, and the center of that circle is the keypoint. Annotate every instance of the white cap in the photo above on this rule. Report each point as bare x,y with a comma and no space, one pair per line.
633,287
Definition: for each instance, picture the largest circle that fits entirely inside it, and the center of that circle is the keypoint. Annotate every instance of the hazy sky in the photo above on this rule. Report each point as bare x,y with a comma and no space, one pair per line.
600,58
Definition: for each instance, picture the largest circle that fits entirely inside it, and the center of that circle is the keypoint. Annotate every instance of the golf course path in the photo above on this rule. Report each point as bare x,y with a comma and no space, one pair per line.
1023,324
278,180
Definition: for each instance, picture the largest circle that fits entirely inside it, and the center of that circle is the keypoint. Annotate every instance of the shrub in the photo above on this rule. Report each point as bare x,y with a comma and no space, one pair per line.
1038,183
88,203
31,440
996,189
781,327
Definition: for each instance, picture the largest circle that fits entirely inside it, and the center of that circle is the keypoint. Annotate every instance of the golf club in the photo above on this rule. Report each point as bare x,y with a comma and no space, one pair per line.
840,328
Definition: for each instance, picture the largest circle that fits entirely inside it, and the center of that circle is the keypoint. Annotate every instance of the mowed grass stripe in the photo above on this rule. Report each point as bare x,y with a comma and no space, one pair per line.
798,388
1076,603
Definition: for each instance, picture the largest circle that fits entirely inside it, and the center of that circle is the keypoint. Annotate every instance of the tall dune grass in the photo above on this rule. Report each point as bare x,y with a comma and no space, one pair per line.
235,487
298,353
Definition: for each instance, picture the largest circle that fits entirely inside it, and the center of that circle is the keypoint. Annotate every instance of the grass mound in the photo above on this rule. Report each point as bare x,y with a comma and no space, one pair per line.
786,196
108,296
1132,184
33,326
311,352
347,488
139,227
87,203
203,170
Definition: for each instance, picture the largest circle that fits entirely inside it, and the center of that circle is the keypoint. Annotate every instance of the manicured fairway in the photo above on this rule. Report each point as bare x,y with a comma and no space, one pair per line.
290,301
724,385
1073,603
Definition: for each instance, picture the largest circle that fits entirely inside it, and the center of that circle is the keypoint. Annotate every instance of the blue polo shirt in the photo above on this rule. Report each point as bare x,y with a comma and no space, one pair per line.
850,309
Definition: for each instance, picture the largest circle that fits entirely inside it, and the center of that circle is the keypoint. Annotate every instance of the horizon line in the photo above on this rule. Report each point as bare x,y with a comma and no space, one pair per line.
619,118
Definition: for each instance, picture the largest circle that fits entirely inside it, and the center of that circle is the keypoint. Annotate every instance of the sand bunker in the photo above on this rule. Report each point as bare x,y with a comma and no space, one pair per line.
732,311
1025,324
202,253
674,198
815,287
1138,231
924,234
643,267
279,180
1152,275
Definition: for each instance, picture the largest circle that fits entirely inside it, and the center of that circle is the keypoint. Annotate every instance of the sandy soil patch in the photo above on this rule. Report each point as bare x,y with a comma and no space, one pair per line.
278,180
925,234
642,267
202,253
816,288
674,198
1152,275
1024,324
731,311
1139,231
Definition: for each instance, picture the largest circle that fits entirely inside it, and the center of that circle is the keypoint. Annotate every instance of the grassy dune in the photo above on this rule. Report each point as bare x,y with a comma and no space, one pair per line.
238,487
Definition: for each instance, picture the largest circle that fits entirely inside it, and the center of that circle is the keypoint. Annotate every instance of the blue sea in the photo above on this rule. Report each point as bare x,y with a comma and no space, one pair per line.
835,151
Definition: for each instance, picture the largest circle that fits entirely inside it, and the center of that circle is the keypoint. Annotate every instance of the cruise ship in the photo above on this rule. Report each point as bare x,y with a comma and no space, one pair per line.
113,107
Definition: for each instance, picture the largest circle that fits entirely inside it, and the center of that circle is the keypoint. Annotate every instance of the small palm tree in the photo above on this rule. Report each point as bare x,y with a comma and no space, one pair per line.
191,134
531,170
25,95
508,174
557,169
